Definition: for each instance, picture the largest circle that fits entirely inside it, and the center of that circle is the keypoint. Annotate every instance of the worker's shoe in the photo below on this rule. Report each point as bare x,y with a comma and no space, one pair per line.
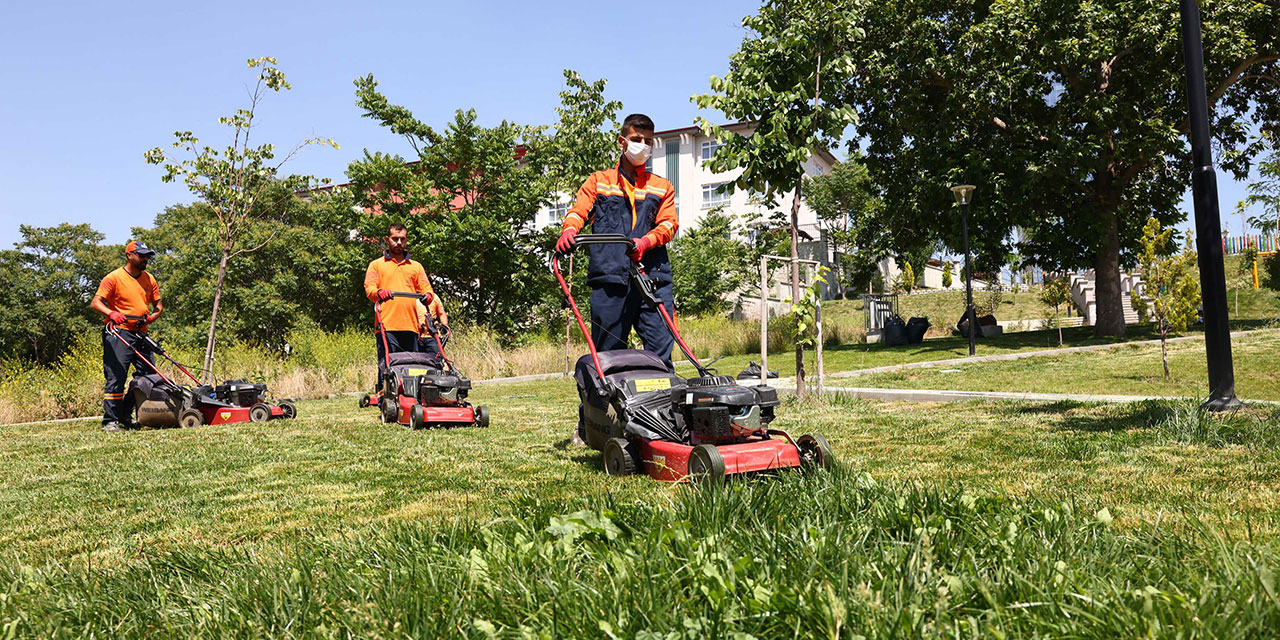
113,426
577,440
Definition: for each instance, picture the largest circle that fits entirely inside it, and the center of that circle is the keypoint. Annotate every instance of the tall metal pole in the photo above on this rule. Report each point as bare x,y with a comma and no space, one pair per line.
1204,194
968,281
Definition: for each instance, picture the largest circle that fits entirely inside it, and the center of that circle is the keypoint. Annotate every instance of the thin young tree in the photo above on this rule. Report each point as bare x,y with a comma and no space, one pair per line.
781,80
1055,293
1171,293
242,184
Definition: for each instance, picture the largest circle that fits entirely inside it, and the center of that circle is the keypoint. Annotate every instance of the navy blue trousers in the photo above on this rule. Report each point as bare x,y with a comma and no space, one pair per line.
397,341
617,308
117,357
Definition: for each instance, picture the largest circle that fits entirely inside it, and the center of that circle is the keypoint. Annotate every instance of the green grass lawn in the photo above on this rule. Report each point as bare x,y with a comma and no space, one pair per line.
1125,370
969,519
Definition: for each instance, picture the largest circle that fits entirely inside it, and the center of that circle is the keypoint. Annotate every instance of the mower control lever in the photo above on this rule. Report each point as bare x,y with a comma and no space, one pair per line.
645,285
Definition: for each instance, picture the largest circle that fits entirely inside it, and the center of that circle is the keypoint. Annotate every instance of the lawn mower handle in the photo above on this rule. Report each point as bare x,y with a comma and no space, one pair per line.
587,239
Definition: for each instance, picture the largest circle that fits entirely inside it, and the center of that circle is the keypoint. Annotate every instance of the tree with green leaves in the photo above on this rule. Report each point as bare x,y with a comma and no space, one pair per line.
1056,293
242,185
906,278
844,200
1070,116
1244,274
49,276
585,136
469,202
1265,192
784,79
709,265
1171,286
309,272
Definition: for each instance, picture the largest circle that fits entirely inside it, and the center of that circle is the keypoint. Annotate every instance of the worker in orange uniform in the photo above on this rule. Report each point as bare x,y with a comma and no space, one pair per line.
125,298
631,201
434,310
396,272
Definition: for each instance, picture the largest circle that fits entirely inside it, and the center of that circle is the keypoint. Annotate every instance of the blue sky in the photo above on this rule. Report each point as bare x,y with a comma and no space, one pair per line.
89,86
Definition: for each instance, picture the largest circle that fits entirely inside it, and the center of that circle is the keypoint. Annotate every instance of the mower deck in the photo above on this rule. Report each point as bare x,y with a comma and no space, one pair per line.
669,461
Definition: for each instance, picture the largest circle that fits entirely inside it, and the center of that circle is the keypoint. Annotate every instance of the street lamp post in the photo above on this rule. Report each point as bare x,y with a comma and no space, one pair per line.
1204,196
963,194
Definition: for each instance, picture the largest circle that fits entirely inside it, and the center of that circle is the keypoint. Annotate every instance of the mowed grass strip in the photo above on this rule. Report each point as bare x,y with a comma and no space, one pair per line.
1125,370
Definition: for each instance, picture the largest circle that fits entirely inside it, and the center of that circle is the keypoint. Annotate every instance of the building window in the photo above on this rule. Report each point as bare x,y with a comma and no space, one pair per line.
557,212
713,195
709,149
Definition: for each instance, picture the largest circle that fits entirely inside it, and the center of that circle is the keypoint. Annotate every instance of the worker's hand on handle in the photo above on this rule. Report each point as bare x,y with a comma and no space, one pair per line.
151,317
384,295
116,318
428,297
639,246
565,243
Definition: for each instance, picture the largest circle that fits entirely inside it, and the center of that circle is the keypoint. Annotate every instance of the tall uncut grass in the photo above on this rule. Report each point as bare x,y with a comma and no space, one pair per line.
322,363
827,555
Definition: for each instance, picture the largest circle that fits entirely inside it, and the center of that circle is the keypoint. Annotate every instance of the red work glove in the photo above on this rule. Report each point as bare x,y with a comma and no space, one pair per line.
115,317
565,243
642,245
384,295
427,298
152,317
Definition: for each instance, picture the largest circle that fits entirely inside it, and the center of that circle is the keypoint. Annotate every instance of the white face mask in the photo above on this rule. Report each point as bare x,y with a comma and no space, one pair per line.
637,152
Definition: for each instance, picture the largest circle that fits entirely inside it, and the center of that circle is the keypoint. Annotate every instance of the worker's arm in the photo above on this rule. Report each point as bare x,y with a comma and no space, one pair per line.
438,312
155,315
580,213
666,222
154,294
371,282
100,306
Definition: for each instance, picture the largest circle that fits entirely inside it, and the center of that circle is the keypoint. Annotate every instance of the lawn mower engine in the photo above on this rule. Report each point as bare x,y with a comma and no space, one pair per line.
240,393
718,410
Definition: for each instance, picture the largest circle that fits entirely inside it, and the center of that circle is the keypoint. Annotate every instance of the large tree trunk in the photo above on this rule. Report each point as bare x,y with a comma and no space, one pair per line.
795,282
207,376
1109,314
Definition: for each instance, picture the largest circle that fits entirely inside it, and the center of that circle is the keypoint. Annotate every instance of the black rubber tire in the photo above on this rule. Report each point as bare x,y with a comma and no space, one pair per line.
190,418
365,400
815,451
260,412
389,410
417,417
290,410
619,457
706,464
482,416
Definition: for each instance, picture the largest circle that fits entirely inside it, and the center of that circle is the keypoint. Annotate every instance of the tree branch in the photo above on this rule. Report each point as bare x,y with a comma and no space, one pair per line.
1236,74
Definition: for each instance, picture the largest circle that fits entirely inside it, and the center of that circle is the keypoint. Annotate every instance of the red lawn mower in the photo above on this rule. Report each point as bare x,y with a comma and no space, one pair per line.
646,419
420,390
162,402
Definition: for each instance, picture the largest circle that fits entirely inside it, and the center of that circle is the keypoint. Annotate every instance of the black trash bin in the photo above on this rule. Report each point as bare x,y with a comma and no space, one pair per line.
916,328
895,331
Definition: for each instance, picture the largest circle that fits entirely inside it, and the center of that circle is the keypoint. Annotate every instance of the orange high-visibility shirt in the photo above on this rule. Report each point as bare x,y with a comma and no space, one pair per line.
127,294
407,275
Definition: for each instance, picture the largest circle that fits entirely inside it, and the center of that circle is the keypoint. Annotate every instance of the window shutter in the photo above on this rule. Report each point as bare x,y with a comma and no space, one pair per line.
673,164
